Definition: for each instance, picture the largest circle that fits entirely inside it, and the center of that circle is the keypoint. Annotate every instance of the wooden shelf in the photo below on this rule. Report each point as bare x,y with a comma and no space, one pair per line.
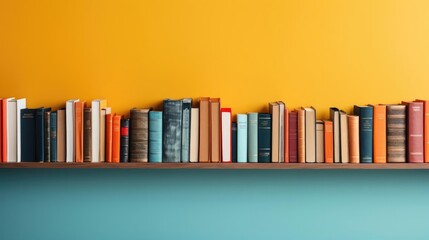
218,165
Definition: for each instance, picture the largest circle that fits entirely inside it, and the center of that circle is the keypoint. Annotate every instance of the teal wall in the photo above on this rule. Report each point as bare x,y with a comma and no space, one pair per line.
213,204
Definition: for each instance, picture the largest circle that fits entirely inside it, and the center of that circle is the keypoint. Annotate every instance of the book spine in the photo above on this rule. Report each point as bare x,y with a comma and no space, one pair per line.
172,131
155,136
139,135
252,137
310,135
215,130
242,138
426,131
109,137
264,137
125,140
79,111
301,136
40,135
3,130
293,137
204,139
195,115
226,143
320,142
186,128
380,134
61,135
87,135
116,136
234,142
415,132
353,122
365,133
334,116
344,137
329,142
28,135
53,137
11,131
275,130
396,133
286,136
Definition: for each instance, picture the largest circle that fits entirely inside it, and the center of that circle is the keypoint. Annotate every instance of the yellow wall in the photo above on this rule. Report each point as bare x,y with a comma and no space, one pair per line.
248,52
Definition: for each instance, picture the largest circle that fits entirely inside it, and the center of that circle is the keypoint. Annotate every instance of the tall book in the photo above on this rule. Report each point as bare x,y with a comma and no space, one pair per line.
215,128
282,131
329,141
70,130
301,135
426,129
204,132
104,111
353,122
366,118
4,128
116,138
344,138
53,137
293,137
124,140
274,109
79,119
97,105
310,135
139,135
40,133
87,134
186,129
172,131
379,133
109,137
252,137
28,135
20,104
47,131
320,142
415,131
264,137
242,138
396,133
286,135
61,135
226,138
155,136
11,152
234,142
194,137
334,116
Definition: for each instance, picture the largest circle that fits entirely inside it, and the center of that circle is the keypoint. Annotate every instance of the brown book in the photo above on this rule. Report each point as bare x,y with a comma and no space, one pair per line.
310,135
396,133
415,132
116,138
79,107
139,135
215,150
61,135
379,133
320,142
426,129
275,128
301,135
329,141
204,153
353,122
109,132
87,135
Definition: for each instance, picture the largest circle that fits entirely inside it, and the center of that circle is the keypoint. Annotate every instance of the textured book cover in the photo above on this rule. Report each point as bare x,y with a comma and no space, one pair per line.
274,109
252,137
396,133
40,133
204,139
139,135
155,136
242,138
301,135
53,137
172,131
109,136
329,142
195,132
310,135
380,133
28,135
366,118
124,140
234,142
344,138
226,136
293,137
79,111
264,137
426,129
215,129
415,132
334,116
61,135
116,138
47,136
186,128
320,142
353,122
87,134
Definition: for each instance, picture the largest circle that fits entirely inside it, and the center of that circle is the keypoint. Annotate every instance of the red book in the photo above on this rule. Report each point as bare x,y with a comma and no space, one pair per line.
4,129
109,129
226,135
116,138
426,129
293,137
415,131
286,135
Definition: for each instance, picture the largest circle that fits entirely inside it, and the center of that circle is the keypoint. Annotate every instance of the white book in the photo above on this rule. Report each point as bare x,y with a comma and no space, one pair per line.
96,106
20,104
226,136
194,140
70,130
104,111
11,155
320,142
282,132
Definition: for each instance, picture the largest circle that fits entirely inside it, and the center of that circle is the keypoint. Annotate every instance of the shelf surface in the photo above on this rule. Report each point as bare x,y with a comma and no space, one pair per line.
218,165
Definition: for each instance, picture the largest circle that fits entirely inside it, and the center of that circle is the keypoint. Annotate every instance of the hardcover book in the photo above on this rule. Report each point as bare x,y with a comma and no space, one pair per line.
70,130
310,135
234,142
186,128
366,118
79,111
28,135
155,136
344,138
53,137
396,133
204,139
301,135
264,137
226,138
275,130
20,104
109,137
11,148
116,138
172,131
47,131
139,134
195,125
293,137
380,128
242,138
40,133
426,129
61,135
252,137
215,128
124,140
334,116
353,122
320,142
415,131
329,142
87,134
97,105
5,126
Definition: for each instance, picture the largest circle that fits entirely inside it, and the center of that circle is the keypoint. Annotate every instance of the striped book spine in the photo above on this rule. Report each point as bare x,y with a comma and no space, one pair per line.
396,133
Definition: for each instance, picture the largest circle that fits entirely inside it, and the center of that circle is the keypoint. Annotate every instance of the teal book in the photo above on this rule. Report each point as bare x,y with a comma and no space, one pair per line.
172,131
155,136
53,141
366,118
252,137
186,128
234,141
264,138
241,138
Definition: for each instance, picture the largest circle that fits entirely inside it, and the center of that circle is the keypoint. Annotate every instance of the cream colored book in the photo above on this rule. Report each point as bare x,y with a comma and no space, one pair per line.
193,147
275,128
320,142
310,135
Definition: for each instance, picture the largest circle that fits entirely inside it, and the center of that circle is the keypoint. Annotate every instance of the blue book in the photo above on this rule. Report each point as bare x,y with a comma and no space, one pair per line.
53,136
155,136
172,131
234,141
264,137
366,118
252,137
40,134
28,135
241,138
186,128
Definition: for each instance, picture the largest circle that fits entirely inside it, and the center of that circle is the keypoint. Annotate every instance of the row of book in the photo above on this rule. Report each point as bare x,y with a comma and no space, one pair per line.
206,132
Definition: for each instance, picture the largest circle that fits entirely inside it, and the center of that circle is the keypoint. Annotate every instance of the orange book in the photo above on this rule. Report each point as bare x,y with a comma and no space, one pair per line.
116,136
329,141
425,129
79,106
109,128
215,150
379,133
353,122
301,135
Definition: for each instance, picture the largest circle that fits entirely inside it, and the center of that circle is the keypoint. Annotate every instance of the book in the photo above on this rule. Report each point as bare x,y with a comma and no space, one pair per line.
61,135
242,138
11,128
47,132
320,142
109,136
274,109
264,138
155,136
20,104
293,137
116,138
282,131
87,135
286,134
124,140
344,138
70,130
28,135
96,106
172,131
215,128
234,142
40,133
139,134
53,137
186,129
415,131
334,116
194,137
226,140
379,133
329,141
204,133
310,135
366,118
426,129
301,135
5,126
396,133
79,119
353,124
104,111
252,137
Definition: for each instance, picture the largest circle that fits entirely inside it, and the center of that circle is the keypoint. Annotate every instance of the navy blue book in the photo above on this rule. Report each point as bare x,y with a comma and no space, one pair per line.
28,135
172,131
124,140
234,141
186,128
264,137
40,134
366,119
53,136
